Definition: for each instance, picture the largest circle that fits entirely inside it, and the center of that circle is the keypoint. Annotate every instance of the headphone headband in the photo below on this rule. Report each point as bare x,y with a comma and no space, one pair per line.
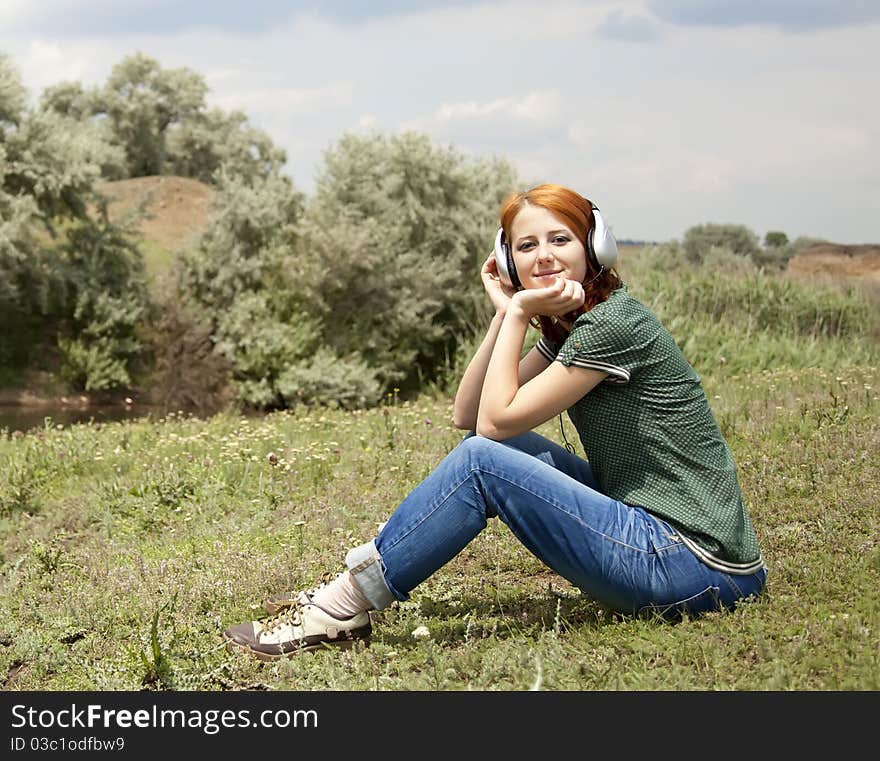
600,246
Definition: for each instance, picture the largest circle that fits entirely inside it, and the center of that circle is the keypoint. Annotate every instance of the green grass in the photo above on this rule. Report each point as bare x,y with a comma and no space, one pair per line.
126,548
157,261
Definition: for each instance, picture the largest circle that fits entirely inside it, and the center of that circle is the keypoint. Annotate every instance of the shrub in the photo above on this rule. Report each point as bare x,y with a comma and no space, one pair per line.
103,291
391,247
775,239
699,240
331,381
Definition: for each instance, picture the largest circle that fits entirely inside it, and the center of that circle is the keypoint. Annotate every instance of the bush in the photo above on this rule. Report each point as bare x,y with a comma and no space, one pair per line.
185,370
238,278
722,259
775,239
102,295
774,259
261,337
699,240
82,280
331,381
391,248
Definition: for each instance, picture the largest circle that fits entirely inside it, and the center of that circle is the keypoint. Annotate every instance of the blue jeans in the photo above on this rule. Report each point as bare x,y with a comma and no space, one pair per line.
622,556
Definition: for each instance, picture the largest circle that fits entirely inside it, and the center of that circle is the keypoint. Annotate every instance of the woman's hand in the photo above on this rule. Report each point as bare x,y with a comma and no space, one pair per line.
558,299
499,294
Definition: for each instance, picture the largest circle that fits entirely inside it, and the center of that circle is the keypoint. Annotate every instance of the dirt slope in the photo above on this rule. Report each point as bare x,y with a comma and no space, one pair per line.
837,261
174,210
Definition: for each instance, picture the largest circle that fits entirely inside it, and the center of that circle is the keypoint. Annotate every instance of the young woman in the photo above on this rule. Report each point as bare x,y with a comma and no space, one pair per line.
652,522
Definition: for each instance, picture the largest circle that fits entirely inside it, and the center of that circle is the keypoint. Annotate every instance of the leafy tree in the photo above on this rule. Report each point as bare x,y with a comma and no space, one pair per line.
60,265
106,296
775,239
142,101
244,248
71,99
200,145
13,96
16,239
240,275
390,250
158,121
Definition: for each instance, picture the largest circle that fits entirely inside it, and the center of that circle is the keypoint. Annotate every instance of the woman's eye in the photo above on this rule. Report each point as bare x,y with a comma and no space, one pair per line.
560,239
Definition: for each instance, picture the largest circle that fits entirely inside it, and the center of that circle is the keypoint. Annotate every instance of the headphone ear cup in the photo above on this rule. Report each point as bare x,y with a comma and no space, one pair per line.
504,261
601,245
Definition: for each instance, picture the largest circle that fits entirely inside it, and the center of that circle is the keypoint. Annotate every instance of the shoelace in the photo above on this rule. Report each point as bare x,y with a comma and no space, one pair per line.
289,616
323,580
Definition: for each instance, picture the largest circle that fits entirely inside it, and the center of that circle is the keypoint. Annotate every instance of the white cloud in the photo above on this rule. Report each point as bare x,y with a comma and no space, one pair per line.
303,101
540,107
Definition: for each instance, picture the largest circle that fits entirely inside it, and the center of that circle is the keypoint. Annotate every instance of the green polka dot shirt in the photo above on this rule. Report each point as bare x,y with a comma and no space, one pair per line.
650,435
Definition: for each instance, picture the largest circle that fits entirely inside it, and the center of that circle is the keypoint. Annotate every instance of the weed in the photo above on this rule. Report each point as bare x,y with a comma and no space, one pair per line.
158,668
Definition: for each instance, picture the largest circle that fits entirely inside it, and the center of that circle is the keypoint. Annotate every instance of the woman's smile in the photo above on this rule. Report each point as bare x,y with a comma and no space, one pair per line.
548,277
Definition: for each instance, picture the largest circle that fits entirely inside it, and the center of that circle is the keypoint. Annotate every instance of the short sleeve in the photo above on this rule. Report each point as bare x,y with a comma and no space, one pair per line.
604,340
547,348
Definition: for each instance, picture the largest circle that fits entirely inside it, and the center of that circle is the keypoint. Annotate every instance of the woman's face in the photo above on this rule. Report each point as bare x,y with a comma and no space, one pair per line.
545,249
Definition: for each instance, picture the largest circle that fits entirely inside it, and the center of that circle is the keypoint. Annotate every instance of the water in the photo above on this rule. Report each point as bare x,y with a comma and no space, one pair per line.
24,417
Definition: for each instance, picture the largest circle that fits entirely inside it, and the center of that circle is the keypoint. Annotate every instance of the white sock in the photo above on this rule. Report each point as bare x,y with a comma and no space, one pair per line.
341,598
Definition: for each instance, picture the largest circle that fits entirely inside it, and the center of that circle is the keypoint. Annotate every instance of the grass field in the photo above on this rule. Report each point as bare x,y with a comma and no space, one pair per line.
128,547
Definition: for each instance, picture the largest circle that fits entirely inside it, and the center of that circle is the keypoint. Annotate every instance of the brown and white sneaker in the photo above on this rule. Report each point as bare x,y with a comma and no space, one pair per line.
303,627
277,603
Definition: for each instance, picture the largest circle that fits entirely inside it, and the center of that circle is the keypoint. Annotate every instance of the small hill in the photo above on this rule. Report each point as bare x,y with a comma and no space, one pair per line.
838,261
169,212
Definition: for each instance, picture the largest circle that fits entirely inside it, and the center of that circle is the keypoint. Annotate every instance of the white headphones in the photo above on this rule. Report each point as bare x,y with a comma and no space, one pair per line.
600,244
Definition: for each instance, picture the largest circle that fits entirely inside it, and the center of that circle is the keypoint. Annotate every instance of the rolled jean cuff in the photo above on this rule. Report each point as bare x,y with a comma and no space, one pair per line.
365,564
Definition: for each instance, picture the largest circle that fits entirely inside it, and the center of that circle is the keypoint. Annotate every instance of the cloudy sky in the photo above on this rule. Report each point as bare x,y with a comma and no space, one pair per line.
667,113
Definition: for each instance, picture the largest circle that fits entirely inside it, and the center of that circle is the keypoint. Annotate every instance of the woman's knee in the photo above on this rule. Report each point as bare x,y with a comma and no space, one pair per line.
478,448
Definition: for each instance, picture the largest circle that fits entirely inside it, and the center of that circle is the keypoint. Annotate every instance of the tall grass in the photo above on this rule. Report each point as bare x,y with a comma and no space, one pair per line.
735,318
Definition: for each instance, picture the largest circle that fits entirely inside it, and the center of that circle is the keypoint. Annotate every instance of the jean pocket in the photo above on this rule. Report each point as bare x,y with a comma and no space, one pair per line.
702,602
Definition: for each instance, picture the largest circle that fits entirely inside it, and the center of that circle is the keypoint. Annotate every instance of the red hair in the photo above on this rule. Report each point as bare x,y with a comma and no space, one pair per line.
577,214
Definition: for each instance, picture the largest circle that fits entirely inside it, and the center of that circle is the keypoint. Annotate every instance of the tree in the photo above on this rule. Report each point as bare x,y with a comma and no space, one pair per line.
142,102
201,144
372,285
70,99
775,239
238,277
157,120
391,247
13,96
66,271
105,298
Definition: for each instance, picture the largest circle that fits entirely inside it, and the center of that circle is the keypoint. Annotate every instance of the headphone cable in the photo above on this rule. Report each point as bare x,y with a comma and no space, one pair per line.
568,445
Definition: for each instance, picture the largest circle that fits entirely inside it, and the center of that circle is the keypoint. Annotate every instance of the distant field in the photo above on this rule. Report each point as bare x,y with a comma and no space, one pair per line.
834,260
